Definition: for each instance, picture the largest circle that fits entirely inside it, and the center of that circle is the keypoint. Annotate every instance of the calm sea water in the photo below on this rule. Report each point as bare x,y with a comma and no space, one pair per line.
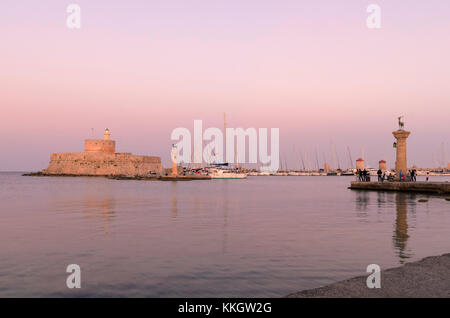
260,237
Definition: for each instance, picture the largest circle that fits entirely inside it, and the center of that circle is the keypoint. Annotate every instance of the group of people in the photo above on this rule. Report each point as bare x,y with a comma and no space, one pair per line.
383,176
411,176
363,175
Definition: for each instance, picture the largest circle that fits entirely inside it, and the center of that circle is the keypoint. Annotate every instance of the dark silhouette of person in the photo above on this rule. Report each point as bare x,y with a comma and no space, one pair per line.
379,173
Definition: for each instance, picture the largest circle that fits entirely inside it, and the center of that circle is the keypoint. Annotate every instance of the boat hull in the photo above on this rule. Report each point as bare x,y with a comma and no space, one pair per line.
235,176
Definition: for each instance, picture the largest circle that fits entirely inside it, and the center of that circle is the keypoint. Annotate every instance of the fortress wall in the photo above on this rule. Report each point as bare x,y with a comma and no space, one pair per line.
104,146
97,163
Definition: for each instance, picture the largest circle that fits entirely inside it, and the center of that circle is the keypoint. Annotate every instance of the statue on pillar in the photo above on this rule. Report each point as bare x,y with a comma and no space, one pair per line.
401,124
401,164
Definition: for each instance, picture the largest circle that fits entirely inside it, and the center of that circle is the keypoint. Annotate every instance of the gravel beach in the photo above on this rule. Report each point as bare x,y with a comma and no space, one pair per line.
429,277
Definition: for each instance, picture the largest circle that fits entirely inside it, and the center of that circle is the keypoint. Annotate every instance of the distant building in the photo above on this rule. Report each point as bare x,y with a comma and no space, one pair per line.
360,164
100,158
382,165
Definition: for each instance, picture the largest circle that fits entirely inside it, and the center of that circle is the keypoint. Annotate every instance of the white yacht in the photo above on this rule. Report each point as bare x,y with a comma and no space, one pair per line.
219,173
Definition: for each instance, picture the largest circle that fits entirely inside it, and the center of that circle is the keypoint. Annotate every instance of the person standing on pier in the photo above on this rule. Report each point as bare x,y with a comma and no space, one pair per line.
413,175
379,173
428,175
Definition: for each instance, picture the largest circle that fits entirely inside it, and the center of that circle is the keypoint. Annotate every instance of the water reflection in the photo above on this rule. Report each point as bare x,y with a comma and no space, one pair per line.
174,200
362,202
102,210
400,237
381,200
404,204
225,209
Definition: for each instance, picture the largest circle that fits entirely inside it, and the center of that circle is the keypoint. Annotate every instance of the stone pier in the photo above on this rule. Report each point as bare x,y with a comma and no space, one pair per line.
442,188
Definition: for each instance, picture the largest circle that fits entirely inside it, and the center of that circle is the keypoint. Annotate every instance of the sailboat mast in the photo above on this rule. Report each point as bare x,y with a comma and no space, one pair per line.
317,161
337,157
307,161
225,134
350,157
303,161
285,164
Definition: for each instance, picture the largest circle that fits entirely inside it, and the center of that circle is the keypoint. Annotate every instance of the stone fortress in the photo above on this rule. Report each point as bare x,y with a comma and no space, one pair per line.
100,159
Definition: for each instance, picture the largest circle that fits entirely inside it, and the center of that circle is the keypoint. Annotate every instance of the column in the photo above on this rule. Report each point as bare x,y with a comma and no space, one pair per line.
401,163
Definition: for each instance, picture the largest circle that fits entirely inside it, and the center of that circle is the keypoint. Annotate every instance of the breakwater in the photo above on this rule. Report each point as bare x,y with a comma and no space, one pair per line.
187,177
421,187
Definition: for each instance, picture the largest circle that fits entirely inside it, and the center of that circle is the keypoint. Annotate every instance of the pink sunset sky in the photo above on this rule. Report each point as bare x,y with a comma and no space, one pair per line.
142,68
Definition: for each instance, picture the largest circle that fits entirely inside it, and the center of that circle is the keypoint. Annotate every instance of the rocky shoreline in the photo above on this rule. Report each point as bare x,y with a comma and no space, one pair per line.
41,174
427,278
125,177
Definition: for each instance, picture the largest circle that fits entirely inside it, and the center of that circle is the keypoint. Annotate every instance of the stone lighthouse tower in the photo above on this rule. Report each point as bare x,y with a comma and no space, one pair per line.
107,135
174,157
401,163
101,146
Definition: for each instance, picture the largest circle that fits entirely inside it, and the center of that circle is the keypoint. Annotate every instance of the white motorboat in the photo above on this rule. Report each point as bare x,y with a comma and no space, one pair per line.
218,173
